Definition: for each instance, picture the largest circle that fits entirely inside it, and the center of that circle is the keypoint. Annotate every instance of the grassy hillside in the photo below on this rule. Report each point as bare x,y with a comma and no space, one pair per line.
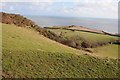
27,54
29,39
107,51
79,36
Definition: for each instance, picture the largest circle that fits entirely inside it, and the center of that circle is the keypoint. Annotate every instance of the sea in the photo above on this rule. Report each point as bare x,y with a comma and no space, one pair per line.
107,25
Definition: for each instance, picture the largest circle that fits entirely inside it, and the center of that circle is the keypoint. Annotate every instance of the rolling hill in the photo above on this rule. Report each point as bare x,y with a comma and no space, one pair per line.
27,54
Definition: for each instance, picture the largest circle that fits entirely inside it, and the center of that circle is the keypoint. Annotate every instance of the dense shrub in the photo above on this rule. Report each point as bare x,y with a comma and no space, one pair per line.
78,46
86,44
15,19
69,43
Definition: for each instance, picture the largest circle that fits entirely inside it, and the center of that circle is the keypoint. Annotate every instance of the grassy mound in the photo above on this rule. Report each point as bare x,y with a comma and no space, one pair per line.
27,54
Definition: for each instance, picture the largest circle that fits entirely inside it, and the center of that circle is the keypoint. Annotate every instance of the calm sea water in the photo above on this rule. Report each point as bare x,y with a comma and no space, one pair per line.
108,25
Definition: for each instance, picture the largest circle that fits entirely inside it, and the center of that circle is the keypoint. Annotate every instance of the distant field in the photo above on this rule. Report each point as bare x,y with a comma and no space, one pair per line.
77,28
108,50
27,54
81,36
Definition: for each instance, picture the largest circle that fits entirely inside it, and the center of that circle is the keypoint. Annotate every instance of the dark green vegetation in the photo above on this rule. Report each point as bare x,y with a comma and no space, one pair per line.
26,53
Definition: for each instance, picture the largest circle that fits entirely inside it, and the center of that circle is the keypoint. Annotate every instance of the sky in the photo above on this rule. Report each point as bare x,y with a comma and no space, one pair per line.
62,8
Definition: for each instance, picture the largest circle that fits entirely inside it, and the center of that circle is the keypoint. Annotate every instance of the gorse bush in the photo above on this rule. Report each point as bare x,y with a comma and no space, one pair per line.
16,19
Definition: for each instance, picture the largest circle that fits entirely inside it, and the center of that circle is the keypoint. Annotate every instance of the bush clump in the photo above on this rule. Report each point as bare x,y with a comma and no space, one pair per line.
86,44
16,19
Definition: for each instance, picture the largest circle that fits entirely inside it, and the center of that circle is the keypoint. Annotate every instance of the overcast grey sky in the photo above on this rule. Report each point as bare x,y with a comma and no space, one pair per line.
68,8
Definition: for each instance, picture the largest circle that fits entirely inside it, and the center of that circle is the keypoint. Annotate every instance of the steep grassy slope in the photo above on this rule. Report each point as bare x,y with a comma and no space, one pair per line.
28,54
27,40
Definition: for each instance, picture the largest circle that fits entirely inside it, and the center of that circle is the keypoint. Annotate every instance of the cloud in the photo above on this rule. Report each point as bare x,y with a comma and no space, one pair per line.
43,3
43,6
11,8
2,4
93,8
32,0
74,8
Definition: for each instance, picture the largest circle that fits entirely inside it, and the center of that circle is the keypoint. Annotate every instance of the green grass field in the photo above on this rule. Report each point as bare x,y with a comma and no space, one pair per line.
107,51
27,54
91,37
